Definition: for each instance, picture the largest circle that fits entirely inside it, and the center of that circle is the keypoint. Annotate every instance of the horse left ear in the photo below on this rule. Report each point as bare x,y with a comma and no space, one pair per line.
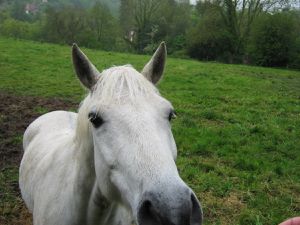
85,70
154,69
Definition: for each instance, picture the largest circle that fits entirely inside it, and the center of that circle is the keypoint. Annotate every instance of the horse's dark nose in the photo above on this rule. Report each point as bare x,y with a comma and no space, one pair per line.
180,208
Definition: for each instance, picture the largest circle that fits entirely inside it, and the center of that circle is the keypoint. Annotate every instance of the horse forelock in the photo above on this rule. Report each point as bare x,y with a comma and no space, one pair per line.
121,83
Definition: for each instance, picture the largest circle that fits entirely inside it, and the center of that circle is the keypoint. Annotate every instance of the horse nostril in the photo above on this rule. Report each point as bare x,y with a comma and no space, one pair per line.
146,206
147,214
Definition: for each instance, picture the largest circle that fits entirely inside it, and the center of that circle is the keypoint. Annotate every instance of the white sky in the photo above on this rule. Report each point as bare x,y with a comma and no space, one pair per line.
193,2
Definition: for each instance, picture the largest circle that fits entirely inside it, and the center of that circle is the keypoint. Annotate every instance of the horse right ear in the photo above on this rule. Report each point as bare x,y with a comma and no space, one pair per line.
154,69
85,70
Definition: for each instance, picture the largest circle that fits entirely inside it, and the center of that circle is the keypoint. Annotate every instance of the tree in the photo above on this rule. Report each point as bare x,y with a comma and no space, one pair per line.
17,10
103,26
126,16
64,25
239,15
209,39
99,18
141,17
145,23
273,40
173,22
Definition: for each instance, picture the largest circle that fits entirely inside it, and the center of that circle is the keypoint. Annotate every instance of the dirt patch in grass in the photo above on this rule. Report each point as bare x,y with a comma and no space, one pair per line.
16,113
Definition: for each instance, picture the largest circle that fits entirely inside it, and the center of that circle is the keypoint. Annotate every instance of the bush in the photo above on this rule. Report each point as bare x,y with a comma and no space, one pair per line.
209,40
272,40
294,61
94,28
19,29
295,55
175,43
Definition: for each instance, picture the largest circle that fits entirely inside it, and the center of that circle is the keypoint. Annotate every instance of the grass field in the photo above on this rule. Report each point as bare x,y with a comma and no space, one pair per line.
237,131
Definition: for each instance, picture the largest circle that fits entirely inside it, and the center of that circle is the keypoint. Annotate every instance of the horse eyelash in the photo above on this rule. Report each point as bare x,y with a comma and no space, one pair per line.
95,119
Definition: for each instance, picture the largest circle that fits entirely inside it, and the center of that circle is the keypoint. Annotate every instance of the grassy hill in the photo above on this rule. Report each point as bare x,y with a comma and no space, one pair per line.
237,131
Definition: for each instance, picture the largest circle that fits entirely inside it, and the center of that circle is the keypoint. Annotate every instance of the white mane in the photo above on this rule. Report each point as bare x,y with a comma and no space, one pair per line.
114,86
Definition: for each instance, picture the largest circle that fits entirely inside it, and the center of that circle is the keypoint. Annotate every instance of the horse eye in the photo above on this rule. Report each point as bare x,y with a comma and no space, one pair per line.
172,115
95,119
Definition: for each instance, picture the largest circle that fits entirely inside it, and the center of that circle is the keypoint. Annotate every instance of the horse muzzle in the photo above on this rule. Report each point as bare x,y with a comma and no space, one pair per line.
175,206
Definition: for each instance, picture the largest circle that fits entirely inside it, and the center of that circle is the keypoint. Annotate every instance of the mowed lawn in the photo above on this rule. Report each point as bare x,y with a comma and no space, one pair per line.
237,130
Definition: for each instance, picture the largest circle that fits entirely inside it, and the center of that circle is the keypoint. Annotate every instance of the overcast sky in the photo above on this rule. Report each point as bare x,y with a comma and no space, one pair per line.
193,2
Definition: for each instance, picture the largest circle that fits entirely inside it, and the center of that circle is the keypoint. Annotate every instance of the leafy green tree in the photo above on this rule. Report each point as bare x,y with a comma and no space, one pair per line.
137,18
209,38
239,15
126,16
64,25
145,23
233,20
294,61
173,22
103,26
99,18
17,10
19,29
272,40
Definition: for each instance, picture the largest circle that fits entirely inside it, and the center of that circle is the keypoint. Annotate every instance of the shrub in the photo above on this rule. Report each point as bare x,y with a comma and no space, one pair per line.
19,29
272,40
209,40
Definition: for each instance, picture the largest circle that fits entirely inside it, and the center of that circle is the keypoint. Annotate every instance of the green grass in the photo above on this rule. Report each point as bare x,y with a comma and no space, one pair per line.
237,131
9,202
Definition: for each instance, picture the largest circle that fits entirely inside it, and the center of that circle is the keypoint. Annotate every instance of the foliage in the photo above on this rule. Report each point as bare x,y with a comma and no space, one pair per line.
273,40
19,29
231,31
154,21
17,10
237,127
95,27
64,25
172,27
209,39
141,26
294,61
239,15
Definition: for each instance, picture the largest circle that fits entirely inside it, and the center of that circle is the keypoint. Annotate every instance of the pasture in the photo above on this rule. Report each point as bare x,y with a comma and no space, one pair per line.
237,128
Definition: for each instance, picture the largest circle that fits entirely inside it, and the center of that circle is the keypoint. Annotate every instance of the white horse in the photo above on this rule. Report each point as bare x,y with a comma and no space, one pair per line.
113,163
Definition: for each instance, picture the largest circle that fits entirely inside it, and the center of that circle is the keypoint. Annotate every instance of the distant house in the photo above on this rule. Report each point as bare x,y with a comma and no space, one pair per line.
31,8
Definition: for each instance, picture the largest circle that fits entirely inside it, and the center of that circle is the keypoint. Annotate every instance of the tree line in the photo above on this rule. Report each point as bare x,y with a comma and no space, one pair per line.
257,32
